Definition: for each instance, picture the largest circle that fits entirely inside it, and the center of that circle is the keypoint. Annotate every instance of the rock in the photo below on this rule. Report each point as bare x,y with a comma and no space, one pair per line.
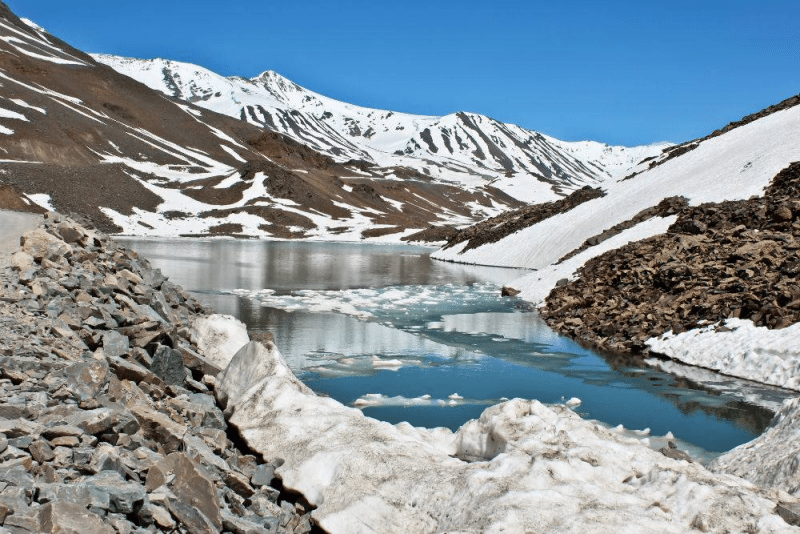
124,497
115,344
193,490
160,428
159,516
21,261
41,451
168,366
263,475
59,431
42,245
104,420
87,379
507,291
63,517
790,512
238,483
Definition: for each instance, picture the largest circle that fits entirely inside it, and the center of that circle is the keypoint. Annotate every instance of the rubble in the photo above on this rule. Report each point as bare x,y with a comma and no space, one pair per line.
108,421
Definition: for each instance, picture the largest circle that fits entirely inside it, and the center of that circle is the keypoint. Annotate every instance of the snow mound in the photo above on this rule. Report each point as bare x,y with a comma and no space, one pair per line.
747,351
521,467
219,337
771,459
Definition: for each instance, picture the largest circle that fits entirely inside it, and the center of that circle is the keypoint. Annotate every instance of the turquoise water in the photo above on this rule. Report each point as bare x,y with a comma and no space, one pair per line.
405,338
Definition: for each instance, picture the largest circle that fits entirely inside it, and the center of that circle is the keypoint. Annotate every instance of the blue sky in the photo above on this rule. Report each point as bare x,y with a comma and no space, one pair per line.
615,71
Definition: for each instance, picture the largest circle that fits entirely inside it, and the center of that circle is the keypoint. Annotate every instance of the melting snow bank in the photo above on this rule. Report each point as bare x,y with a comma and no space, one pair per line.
771,459
746,351
521,467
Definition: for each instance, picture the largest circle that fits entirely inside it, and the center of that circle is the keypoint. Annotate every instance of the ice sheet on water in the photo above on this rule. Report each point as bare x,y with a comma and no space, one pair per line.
388,304
377,399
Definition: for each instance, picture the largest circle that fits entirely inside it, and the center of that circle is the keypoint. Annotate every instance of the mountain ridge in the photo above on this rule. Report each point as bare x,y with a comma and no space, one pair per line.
458,146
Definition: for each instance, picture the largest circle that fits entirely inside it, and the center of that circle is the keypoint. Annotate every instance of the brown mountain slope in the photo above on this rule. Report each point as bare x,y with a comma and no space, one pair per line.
106,147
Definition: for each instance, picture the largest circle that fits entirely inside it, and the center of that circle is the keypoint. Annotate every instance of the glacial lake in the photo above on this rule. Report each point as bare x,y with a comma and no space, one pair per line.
405,338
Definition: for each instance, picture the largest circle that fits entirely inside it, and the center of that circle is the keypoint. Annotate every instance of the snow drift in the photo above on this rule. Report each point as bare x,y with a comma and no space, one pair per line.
521,467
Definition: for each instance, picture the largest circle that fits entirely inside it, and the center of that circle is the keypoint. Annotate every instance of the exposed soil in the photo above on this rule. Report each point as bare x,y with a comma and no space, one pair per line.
494,229
11,199
718,261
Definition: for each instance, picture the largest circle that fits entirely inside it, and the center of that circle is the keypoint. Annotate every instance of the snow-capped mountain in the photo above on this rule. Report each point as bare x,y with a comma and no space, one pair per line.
460,147
79,137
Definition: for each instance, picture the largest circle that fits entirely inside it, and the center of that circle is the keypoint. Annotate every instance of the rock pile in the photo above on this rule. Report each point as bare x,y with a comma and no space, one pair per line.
108,423
731,259
496,228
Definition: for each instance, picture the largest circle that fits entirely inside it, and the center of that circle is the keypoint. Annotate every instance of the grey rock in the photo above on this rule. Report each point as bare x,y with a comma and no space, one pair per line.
25,518
193,519
160,428
124,497
64,517
263,475
193,488
153,277
239,525
83,494
115,344
59,431
22,442
17,476
14,428
87,379
168,365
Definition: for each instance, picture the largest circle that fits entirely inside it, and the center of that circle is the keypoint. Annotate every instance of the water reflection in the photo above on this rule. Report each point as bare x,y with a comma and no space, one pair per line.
451,334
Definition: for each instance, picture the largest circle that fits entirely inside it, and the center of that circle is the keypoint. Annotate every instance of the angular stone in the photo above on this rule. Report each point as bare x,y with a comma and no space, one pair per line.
63,517
168,365
127,370
263,475
59,431
42,245
124,497
159,516
87,379
41,451
238,483
21,261
115,344
193,488
192,518
160,428
65,441
14,428
25,519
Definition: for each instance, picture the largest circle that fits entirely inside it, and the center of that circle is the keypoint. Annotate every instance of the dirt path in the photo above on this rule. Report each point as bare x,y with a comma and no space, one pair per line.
12,225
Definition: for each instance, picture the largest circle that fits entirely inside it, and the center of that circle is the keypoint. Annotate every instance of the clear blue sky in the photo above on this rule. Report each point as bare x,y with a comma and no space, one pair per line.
622,72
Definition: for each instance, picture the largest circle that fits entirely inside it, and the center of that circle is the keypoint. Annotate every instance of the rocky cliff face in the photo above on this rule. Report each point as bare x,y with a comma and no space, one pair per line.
107,417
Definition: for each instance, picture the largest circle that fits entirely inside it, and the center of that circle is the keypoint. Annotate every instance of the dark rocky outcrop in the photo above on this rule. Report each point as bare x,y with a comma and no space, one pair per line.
108,423
717,261
496,228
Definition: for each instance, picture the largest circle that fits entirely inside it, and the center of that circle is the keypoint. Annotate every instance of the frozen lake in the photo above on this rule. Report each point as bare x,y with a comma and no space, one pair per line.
405,338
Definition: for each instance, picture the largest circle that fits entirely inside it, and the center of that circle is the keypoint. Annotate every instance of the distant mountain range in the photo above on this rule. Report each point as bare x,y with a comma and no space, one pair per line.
461,146
82,138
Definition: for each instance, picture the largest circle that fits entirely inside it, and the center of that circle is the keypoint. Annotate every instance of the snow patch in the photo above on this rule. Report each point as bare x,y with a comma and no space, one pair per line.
747,351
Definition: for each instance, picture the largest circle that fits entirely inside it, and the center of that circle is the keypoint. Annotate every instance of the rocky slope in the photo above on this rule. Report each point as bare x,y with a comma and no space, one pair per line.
107,419
461,147
725,260
79,137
